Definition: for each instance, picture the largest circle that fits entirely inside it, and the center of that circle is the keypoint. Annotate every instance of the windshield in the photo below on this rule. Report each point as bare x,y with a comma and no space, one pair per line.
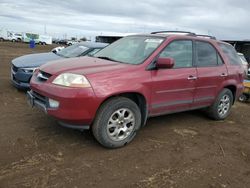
73,51
131,50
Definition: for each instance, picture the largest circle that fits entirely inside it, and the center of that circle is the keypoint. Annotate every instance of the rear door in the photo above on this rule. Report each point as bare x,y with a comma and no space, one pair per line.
173,89
211,72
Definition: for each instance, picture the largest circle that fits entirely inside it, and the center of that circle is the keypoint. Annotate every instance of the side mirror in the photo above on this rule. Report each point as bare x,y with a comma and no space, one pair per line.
165,63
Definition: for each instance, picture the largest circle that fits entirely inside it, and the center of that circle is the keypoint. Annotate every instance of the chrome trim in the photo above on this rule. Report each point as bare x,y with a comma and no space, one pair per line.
192,78
223,75
40,75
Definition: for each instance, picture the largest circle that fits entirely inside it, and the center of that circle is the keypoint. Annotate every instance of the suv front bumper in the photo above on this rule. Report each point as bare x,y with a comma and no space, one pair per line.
75,110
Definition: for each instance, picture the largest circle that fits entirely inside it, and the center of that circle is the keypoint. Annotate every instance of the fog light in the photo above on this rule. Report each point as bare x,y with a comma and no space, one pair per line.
53,103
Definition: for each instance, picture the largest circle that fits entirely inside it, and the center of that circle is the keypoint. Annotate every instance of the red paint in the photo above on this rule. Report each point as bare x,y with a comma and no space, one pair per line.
165,90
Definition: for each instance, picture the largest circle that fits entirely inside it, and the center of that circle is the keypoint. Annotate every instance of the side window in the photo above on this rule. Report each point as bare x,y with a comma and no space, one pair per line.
206,55
181,51
230,52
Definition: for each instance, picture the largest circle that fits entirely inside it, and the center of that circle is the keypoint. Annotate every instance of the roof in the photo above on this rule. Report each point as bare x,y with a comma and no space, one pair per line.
202,37
165,34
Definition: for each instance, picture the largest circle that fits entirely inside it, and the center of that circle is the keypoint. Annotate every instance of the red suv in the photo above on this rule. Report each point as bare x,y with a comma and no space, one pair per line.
137,77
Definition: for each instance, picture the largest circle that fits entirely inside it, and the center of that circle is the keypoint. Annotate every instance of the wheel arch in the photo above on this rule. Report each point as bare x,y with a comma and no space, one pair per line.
233,89
136,97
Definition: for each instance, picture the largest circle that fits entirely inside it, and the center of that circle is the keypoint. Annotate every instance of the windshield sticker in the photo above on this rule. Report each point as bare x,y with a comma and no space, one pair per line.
154,40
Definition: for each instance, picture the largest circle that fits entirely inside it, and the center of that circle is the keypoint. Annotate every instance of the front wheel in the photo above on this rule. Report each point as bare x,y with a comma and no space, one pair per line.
220,109
116,122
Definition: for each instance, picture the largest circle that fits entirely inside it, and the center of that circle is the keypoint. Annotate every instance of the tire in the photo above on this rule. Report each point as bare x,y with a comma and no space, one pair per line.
243,98
220,109
114,113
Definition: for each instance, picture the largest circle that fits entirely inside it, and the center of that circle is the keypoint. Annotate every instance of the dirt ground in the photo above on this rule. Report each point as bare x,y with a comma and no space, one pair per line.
179,150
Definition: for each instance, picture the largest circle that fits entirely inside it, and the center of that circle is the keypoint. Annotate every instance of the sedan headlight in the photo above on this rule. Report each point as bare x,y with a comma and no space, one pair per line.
71,80
29,70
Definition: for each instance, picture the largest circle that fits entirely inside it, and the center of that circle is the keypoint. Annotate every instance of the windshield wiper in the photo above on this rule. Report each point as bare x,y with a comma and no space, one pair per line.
107,58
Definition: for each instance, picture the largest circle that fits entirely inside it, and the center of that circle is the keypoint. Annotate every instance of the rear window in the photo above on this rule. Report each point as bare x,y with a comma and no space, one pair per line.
206,55
231,54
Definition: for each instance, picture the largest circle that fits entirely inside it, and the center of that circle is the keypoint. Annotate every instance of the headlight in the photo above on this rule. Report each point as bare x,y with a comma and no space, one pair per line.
71,80
29,70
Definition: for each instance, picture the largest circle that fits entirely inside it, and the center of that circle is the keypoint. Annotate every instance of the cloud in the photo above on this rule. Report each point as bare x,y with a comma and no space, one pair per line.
226,19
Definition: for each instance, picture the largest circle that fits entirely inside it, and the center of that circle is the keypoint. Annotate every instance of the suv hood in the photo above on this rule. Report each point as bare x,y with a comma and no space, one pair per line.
34,60
81,65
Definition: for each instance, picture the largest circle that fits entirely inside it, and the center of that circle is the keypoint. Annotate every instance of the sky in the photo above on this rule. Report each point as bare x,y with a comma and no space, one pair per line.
225,19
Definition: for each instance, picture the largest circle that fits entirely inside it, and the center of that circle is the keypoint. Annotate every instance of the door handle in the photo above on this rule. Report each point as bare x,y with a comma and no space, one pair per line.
192,78
223,75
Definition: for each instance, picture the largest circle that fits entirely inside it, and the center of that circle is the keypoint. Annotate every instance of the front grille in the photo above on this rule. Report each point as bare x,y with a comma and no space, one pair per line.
14,68
43,76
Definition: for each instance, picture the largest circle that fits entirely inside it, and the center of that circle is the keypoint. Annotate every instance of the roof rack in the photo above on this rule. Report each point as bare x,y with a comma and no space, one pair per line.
184,32
177,32
207,36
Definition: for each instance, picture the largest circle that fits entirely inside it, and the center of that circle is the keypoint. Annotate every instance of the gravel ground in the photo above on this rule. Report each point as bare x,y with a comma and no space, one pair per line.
179,150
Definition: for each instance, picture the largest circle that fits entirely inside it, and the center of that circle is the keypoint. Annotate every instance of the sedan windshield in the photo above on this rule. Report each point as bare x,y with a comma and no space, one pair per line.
73,51
131,50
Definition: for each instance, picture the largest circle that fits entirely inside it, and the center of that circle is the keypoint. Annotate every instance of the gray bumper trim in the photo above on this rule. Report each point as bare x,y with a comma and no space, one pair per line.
78,127
33,102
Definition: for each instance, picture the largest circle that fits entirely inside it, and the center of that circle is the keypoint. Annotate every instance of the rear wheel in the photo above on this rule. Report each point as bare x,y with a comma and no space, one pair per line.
117,122
220,109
